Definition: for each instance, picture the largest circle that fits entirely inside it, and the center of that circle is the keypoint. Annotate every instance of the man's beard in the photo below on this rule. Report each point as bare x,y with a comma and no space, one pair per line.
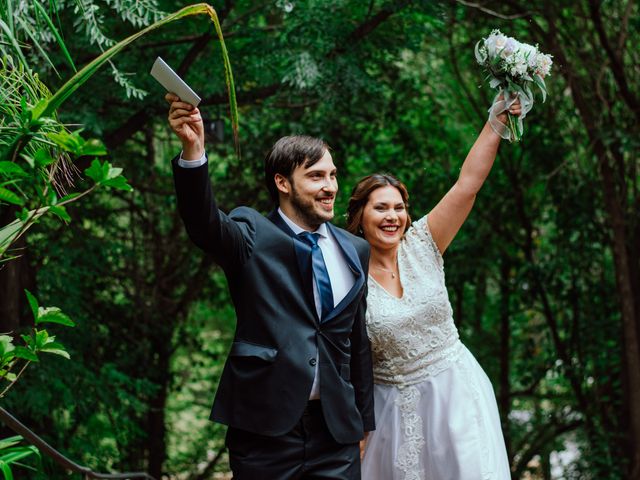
307,209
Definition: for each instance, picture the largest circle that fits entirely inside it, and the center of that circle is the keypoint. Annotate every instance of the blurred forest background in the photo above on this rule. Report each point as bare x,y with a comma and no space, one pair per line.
544,278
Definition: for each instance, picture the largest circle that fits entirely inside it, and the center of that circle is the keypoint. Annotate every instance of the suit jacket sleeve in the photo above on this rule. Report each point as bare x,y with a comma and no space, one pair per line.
229,241
361,362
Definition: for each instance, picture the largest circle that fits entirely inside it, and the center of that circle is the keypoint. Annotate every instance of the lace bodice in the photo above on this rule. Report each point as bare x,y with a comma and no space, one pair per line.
414,336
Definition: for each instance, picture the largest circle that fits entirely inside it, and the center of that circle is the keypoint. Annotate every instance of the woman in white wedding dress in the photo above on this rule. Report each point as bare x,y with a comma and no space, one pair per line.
436,412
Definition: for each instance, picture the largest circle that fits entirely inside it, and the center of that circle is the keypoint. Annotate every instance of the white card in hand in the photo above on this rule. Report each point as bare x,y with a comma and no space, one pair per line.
170,80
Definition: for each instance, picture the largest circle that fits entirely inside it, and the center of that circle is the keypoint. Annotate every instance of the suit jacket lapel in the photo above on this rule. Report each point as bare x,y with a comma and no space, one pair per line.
303,257
353,261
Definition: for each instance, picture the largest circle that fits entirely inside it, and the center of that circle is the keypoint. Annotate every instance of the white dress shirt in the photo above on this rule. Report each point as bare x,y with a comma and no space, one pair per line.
341,277
192,163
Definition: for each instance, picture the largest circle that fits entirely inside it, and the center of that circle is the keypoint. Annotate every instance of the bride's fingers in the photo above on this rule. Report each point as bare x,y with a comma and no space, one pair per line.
515,108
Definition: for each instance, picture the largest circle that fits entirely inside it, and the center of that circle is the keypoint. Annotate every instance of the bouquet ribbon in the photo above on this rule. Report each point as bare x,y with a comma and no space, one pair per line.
502,101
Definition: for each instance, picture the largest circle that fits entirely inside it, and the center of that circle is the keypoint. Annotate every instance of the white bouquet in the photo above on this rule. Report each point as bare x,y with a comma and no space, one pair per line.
513,68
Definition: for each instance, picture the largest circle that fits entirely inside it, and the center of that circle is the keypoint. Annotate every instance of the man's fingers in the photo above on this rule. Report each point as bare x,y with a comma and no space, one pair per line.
180,112
178,122
182,106
173,98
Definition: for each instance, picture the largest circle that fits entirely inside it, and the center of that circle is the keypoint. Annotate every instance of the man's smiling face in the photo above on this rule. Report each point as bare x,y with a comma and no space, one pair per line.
311,193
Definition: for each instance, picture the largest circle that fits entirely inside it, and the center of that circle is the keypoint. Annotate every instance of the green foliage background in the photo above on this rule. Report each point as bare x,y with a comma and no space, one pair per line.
392,86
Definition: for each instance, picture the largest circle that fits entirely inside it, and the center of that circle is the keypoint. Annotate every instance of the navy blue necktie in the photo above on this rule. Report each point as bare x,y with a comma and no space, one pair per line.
319,272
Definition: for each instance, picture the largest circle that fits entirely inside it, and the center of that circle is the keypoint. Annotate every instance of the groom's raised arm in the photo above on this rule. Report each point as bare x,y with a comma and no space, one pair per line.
229,241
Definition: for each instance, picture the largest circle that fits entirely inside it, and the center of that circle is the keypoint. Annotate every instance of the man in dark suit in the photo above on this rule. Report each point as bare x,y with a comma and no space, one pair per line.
296,390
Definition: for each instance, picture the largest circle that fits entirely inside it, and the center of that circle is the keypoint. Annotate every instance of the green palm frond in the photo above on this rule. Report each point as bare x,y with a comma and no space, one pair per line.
29,111
47,106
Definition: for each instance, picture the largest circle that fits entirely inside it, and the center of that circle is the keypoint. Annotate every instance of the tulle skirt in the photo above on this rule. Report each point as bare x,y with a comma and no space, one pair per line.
445,428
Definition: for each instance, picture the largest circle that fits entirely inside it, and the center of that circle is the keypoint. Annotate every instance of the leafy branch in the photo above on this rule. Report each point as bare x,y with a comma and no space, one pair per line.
36,342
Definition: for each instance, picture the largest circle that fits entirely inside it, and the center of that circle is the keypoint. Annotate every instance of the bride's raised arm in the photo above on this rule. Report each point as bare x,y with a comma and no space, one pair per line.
452,210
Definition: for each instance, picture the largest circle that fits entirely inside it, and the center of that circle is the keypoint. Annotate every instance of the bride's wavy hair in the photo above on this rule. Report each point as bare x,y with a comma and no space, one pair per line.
360,196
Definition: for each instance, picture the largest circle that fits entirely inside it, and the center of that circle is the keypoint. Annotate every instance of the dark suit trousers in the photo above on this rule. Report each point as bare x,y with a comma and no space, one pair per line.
308,452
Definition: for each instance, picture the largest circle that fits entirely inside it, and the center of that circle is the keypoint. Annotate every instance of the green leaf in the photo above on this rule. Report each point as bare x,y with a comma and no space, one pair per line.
14,454
43,158
95,171
25,113
60,212
12,169
113,172
479,57
71,196
26,354
105,174
6,470
69,141
42,338
494,82
6,345
7,196
29,159
528,91
56,349
93,148
10,441
539,81
74,143
23,215
17,51
56,34
35,42
119,183
10,232
53,315
33,303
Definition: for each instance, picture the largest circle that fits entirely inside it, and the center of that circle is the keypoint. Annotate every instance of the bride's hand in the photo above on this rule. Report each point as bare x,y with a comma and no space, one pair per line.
363,445
514,109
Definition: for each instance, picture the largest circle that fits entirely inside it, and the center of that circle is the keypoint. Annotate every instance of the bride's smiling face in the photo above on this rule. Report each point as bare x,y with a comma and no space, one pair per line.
384,218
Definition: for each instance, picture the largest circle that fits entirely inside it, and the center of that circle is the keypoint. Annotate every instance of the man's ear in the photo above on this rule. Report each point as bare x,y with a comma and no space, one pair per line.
282,184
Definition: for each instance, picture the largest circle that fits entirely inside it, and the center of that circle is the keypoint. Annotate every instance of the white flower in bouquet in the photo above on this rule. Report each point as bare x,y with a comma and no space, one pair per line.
513,67
531,54
518,64
543,65
509,48
495,43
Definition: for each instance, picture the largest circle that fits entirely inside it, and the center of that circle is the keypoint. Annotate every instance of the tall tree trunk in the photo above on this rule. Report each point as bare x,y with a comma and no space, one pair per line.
628,312
504,396
15,276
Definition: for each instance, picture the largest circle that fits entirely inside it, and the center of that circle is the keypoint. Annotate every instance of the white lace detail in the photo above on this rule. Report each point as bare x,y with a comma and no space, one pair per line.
413,337
408,459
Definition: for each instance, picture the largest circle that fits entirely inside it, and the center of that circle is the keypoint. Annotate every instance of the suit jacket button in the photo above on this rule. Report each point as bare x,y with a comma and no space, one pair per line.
313,362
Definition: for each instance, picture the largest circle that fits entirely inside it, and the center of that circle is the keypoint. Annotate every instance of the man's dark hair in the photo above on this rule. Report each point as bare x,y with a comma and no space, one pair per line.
289,153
